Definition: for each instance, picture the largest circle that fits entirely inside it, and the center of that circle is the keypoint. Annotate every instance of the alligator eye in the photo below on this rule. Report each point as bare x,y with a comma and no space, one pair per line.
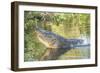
40,36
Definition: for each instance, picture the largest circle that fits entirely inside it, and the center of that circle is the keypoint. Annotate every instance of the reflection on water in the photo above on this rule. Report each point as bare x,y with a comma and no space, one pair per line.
82,52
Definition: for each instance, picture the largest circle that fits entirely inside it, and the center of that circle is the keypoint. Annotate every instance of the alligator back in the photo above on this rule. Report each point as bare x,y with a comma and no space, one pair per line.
52,40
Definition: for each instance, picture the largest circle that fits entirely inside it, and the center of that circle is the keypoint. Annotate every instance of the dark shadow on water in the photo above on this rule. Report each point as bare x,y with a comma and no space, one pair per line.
55,53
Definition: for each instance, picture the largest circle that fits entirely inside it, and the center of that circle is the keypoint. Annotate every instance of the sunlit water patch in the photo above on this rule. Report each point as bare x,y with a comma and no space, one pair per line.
77,53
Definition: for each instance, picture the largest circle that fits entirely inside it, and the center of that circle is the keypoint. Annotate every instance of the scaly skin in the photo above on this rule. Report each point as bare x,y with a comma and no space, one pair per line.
52,40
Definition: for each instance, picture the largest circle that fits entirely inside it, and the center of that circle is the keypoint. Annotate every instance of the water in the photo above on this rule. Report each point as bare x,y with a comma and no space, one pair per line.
82,52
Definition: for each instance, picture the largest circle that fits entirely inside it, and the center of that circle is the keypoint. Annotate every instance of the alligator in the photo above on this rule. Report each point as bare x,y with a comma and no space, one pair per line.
56,44
52,40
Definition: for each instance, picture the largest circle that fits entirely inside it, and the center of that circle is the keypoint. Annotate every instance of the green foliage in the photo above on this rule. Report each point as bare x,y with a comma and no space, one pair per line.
68,25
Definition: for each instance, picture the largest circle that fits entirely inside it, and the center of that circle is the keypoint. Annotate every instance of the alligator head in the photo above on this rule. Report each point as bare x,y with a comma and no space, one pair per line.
46,38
